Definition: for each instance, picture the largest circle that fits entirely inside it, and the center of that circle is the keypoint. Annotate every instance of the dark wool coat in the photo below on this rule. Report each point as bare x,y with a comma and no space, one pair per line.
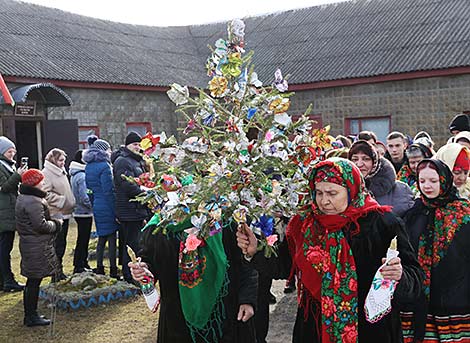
450,280
368,248
99,179
161,254
9,180
125,162
396,166
388,191
37,233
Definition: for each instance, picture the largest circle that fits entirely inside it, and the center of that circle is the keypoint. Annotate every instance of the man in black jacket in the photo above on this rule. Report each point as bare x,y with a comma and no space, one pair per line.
131,214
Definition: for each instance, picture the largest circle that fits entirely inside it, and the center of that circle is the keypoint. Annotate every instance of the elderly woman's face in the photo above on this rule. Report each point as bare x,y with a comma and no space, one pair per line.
331,198
10,154
363,162
429,183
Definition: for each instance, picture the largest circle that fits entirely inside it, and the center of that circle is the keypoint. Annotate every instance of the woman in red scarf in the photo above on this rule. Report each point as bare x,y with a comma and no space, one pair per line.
337,245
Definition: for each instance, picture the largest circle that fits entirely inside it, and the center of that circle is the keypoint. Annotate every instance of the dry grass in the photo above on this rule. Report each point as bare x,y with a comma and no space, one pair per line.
126,321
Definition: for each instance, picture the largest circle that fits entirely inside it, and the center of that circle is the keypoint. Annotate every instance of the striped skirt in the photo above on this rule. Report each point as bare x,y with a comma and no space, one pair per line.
451,328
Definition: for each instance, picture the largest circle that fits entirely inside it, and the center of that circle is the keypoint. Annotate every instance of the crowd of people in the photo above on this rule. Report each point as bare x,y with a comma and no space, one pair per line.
39,205
362,195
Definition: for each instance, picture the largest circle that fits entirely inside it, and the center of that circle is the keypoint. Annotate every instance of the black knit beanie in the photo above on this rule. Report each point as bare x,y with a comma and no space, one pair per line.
132,137
461,122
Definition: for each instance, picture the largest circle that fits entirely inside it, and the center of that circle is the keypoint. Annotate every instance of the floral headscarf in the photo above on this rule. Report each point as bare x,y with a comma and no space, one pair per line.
450,213
449,153
322,257
447,192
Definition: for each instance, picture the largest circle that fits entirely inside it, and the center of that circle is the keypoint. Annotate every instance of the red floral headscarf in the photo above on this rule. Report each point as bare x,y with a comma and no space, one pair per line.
322,258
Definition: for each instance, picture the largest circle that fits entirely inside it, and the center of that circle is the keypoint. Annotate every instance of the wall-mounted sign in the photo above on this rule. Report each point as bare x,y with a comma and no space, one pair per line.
27,109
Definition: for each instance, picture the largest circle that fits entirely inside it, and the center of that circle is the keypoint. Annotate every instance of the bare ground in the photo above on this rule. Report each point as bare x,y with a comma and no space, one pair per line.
126,321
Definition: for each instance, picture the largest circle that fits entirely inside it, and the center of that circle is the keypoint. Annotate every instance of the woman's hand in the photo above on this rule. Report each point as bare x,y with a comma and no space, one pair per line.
246,240
137,270
245,312
392,270
22,169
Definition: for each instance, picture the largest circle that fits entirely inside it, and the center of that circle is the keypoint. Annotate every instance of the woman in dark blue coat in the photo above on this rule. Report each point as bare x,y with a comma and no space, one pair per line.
99,179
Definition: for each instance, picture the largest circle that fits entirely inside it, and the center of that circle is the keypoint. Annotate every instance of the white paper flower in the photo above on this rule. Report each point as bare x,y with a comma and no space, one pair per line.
178,94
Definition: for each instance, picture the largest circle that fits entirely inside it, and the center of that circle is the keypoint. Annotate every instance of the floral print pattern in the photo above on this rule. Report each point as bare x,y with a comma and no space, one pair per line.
434,242
332,258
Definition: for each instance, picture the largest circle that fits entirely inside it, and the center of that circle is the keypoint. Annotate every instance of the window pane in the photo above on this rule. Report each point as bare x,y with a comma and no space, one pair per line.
141,130
354,126
380,126
83,133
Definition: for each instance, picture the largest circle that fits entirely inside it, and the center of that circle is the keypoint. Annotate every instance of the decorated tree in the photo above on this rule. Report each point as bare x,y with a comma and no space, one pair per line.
244,160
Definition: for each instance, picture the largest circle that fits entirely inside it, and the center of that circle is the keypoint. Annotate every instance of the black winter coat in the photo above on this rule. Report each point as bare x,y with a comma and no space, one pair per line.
9,180
161,254
37,233
125,162
368,248
450,279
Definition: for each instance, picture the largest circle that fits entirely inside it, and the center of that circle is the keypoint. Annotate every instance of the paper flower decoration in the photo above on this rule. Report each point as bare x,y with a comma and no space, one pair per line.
245,161
280,83
149,143
178,94
218,86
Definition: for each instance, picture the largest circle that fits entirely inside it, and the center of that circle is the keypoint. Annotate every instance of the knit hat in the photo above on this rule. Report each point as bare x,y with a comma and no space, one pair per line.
132,137
461,122
101,144
32,177
5,144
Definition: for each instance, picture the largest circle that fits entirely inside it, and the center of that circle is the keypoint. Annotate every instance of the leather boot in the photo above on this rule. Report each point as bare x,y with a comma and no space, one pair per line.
30,302
35,320
12,286
99,270
113,272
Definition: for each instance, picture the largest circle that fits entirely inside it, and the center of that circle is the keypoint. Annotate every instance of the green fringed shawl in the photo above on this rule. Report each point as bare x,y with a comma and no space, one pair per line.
203,283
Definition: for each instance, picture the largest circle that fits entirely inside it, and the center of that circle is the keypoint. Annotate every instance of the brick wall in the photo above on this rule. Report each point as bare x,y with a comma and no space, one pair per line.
111,109
414,105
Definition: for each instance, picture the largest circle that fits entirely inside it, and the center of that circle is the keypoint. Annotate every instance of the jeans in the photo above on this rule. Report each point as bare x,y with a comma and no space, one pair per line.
80,257
30,297
6,246
61,242
111,239
130,236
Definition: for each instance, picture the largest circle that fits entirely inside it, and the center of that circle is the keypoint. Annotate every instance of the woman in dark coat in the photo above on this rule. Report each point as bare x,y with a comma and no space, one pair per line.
10,178
380,178
99,179
229,320
439,230
337,244
37,233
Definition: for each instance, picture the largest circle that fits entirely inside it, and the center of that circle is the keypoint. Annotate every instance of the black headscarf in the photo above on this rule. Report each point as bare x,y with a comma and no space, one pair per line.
447,191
